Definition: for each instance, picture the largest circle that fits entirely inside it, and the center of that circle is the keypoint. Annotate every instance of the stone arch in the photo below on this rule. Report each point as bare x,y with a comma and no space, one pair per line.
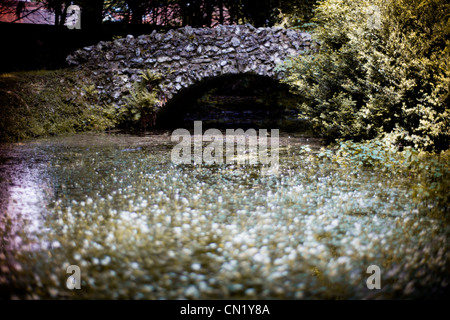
187,56
172,113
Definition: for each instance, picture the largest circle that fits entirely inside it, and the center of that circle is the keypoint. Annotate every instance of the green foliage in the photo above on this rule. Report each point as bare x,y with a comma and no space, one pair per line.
371,154
143,100
296,14
427,173
382,67
43,103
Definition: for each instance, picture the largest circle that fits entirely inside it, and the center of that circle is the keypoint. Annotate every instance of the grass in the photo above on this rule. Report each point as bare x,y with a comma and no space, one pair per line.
43,103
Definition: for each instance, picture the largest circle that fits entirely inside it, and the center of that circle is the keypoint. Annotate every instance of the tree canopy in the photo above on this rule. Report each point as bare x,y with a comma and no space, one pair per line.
195,13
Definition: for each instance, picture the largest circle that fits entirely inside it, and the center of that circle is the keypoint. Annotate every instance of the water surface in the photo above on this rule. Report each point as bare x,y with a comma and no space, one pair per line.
141,227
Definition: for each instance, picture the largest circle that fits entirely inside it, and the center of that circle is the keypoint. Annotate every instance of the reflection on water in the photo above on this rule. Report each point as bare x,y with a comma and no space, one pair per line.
24,194
140,227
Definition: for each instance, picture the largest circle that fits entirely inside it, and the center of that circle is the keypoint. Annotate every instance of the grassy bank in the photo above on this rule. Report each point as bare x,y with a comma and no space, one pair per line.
41,103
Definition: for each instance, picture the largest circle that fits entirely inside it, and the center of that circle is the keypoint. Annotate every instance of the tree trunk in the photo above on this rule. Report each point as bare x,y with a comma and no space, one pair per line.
91,14
221,12
209,8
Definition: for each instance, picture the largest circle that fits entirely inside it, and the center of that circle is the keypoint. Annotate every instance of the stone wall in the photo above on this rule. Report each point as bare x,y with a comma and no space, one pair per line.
187,56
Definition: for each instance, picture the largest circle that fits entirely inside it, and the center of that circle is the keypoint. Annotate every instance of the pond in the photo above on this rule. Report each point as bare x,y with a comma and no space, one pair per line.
139,226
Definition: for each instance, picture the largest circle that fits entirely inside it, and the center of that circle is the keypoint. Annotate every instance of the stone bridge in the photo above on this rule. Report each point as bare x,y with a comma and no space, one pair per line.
187,57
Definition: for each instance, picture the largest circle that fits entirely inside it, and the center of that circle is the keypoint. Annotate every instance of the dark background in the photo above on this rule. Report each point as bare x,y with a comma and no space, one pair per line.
35,47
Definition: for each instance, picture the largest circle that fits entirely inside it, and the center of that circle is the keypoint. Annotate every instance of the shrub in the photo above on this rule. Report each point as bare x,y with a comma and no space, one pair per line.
382,67
295,14
143,101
